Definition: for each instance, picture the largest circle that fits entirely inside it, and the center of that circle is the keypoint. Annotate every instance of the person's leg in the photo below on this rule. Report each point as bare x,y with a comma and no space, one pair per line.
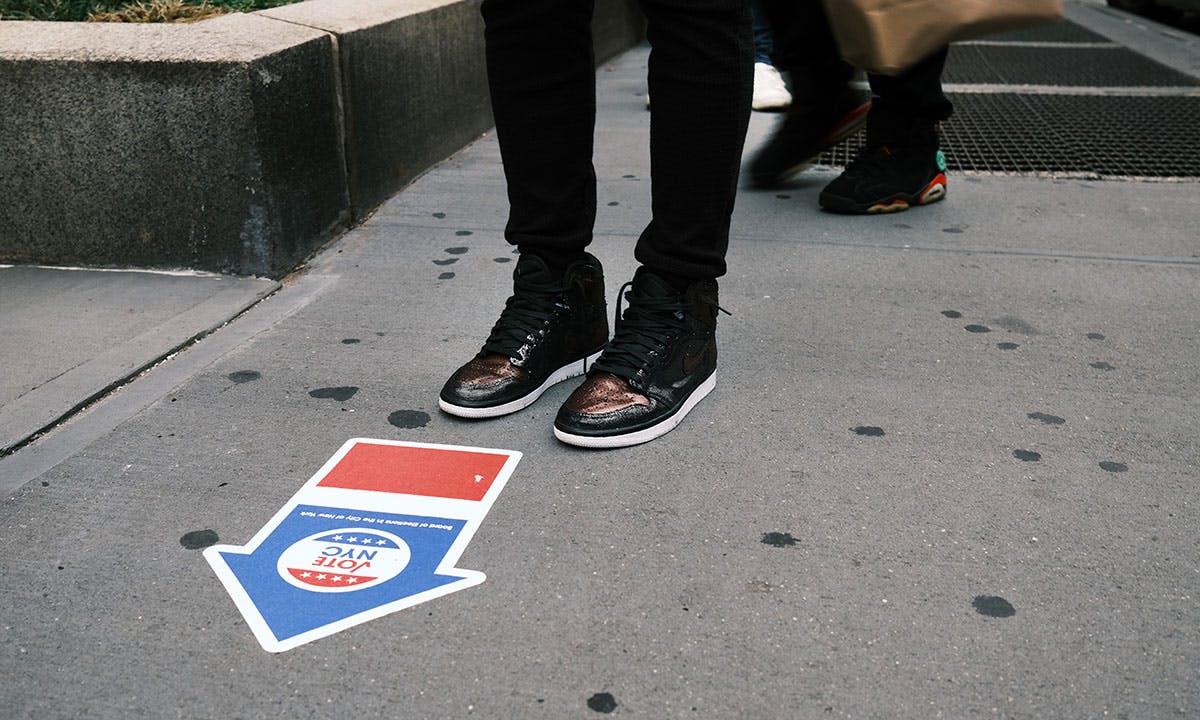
764,40
913,97
542,79
824,110
805,47
701,76
770,91
902,164
662,358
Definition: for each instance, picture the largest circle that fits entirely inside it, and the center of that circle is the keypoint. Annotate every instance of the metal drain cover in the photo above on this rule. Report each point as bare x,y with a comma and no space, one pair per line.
1028,102
1032,65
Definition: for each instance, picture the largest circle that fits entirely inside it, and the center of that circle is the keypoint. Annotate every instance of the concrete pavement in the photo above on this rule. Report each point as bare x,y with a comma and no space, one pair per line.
949,470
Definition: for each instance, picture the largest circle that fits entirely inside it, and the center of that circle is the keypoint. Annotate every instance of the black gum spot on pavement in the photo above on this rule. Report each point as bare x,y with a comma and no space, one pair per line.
463,233
198,539
614,203
1046,419
993,606
1095,336
903,226
602,703
778,539
457,250
952,314
1113,467
628,177
868,431
409,419
440,215
445,261
1103,366
243,376
350,341
446,276
341,394
1007,346
977,329
783,196
1027,455
953,230
502,259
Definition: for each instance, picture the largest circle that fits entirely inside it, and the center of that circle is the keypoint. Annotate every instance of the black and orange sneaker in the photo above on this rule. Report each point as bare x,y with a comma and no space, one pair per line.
808,129
552,328
661,362
890,177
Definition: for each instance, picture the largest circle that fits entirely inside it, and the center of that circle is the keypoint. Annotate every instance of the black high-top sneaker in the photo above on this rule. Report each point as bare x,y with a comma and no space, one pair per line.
552,328
661,361
810,127
891,176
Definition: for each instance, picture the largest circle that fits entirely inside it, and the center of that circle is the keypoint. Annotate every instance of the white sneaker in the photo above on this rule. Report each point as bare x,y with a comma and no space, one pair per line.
770,92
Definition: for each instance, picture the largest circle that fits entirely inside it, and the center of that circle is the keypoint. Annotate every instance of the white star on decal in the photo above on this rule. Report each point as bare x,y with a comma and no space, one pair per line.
336,578
337,537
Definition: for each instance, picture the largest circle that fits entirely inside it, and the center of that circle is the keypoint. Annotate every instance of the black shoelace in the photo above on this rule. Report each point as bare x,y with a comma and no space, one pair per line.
644,332
526,315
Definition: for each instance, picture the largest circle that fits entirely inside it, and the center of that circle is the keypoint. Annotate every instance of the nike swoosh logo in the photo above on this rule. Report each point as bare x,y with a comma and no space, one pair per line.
693,360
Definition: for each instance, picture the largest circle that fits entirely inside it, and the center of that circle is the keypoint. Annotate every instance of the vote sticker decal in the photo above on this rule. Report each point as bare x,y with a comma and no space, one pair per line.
343,560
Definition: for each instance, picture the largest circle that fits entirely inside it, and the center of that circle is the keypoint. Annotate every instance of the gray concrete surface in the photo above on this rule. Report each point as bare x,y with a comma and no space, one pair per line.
645,573
71,334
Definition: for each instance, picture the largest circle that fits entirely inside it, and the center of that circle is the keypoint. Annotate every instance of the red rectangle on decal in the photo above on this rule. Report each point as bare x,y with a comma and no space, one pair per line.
434,472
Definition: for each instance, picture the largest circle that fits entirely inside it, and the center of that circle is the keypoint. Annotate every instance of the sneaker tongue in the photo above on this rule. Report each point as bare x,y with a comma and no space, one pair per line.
532,267
651,285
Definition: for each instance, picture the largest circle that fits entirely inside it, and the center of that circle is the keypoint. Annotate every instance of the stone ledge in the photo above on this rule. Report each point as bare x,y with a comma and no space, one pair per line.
238,144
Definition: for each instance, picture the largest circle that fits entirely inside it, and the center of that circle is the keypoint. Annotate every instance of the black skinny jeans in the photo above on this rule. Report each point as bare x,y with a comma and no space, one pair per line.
541,72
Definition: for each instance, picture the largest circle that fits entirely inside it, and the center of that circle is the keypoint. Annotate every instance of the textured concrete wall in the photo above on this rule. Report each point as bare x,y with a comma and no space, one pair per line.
239,144
414,83
617,25
414,80
151,149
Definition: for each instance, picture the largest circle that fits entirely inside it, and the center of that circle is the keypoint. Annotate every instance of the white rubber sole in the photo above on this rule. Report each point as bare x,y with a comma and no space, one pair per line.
566,372
646,434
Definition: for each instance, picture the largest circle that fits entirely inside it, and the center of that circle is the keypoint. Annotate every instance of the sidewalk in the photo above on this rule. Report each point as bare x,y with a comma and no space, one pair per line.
949,470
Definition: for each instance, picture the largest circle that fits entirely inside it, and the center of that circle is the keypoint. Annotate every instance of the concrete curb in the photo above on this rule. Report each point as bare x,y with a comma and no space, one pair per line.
239,144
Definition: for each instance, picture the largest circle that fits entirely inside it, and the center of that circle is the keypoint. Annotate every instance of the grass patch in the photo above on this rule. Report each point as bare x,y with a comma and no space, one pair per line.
128,10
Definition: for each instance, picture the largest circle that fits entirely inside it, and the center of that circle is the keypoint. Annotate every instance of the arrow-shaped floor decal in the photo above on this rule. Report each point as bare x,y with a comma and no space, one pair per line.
379,528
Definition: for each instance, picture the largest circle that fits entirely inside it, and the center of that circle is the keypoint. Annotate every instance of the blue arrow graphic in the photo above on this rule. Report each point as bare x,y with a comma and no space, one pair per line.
377,529
290,612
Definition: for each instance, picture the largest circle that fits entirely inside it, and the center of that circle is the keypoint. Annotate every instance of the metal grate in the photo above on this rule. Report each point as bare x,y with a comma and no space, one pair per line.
1058,32
1087,66
1092,127
1101,136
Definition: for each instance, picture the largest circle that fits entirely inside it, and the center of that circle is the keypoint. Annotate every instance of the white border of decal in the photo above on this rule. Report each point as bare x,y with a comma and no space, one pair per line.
470,511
